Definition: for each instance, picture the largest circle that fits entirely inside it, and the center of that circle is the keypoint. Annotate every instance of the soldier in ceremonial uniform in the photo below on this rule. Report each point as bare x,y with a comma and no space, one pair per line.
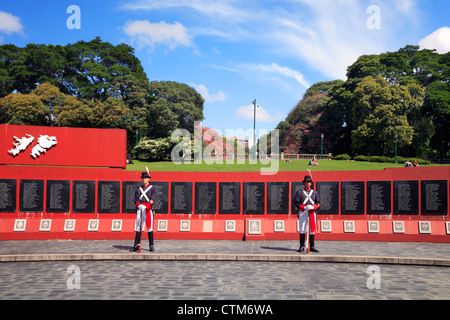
144,198
307,201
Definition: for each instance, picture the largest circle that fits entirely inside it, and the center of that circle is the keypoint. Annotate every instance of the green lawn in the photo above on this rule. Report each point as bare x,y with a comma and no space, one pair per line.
296,165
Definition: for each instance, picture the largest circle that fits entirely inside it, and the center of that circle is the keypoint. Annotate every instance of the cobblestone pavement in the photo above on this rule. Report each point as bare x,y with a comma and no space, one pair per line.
210,280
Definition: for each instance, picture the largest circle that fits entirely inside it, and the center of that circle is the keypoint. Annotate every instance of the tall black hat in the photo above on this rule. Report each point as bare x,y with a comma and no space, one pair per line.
307,179
145,175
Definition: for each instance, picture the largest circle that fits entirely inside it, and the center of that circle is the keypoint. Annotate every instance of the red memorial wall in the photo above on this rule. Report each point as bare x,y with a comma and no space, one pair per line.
55,201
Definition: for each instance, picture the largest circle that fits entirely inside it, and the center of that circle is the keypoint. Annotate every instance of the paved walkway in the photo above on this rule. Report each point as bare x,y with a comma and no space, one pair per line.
95,269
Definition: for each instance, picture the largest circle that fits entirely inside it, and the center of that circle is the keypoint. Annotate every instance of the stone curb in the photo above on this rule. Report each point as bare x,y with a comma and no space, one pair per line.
225,257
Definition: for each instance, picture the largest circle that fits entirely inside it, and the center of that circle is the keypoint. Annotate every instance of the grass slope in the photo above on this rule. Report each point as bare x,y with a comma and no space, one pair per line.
296,165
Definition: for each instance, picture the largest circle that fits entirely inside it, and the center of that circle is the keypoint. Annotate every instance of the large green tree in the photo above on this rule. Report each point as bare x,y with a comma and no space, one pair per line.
421,76
172,106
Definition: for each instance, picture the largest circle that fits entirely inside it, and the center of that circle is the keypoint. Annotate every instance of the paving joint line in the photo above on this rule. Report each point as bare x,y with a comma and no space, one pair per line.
54,257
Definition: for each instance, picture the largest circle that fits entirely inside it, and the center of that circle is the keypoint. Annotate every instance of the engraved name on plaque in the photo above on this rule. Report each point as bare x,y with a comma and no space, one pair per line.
329,197
8,190
229,197
181,197
278,197
254,195
31,196
108,197
379,197
352,197
406,197
434,197
205,197
83,197
58,196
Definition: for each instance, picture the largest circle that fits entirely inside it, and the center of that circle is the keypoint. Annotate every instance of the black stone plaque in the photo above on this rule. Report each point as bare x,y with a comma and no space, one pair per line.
434,196
181,198
406,197
229,197
58,196
254,196
379,197
8,190
31,196
352,197
329,197
83,197
278,197
128,190
161,204
108,197
206,197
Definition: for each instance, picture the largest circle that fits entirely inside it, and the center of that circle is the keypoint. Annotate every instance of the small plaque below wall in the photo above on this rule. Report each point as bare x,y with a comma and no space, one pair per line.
116,225
185,226
278,226
20,225
373,227
398,227
230,226
45,225
93,225
325,226
424,227
207,226
349,226
254,226
69,225
162,225
447,227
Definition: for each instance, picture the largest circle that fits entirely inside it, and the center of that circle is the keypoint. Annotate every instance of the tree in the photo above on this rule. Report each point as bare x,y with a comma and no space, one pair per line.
422,76
172,106
380,111
23,109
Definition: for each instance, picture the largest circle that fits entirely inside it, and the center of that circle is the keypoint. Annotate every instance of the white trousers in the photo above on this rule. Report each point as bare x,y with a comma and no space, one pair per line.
141,217
303,219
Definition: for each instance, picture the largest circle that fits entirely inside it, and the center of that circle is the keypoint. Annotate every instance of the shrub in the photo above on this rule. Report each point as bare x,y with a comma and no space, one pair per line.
361,158
342,157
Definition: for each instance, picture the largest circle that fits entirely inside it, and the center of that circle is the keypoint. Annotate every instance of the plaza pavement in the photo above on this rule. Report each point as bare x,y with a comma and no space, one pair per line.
217,270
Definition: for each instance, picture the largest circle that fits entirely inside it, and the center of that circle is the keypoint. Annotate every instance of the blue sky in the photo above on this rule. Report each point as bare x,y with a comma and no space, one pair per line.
234,51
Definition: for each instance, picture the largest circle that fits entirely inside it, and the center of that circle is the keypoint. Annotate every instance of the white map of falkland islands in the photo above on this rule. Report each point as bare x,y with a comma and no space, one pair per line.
44,143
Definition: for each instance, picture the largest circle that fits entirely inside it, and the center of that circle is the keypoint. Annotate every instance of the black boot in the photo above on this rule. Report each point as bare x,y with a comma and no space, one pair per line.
302,243
150,240
137,240
311,241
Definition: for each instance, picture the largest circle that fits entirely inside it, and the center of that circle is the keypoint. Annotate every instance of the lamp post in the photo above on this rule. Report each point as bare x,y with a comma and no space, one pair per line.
396,138
254,128
321,146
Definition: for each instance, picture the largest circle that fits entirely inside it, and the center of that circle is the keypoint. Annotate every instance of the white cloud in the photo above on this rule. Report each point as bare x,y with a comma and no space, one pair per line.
273,73
439,40
326,35
9,23
274,68
219,9
146,33
203,90
404,6
247,112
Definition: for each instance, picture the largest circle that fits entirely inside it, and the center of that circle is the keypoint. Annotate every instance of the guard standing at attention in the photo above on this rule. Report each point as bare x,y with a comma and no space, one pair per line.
144,198
307,201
